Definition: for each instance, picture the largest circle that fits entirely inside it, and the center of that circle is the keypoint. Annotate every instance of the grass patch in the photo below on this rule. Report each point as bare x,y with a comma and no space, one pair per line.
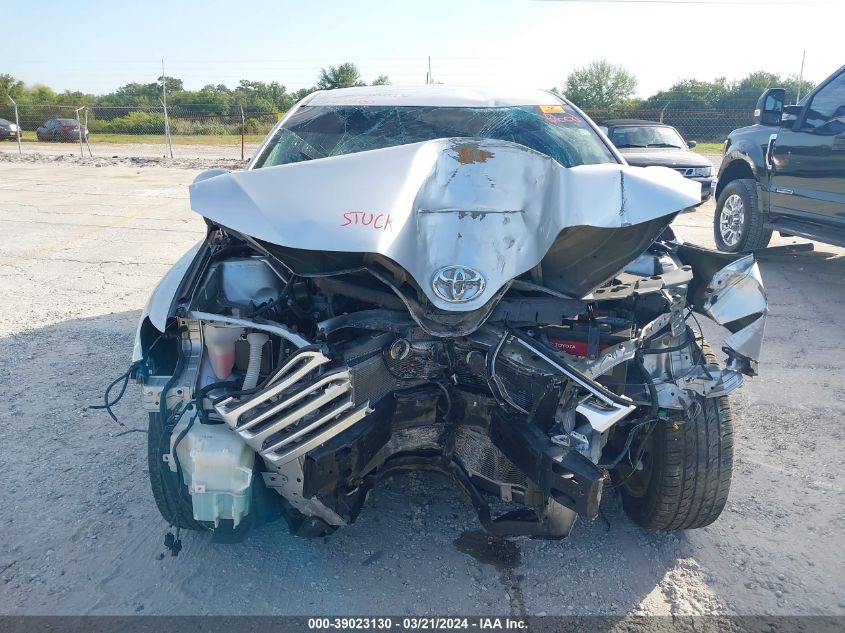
708,148
199,139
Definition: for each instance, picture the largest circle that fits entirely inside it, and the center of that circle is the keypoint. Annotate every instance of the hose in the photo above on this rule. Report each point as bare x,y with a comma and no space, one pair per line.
256,342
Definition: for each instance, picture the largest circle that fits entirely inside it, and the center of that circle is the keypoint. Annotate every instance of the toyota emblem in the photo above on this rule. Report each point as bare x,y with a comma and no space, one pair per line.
457,284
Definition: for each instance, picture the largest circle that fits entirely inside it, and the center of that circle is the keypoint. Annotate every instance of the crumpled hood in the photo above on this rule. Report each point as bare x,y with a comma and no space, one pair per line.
488,207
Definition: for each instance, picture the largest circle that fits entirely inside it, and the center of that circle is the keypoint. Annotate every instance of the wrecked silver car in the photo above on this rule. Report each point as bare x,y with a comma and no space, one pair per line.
459,280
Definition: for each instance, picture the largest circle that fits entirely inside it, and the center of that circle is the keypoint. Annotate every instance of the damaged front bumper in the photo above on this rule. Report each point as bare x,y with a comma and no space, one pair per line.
300,421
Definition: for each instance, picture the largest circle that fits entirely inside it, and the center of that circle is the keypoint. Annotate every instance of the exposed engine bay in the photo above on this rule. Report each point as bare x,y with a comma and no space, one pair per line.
316,385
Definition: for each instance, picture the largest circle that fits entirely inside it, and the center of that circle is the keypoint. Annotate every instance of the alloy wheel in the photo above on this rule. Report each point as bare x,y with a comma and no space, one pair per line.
732,219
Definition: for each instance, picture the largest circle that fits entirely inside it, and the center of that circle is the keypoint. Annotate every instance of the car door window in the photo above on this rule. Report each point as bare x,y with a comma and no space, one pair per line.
826,112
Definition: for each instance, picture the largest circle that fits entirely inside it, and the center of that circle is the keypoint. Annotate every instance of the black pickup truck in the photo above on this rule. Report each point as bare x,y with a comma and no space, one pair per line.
786,172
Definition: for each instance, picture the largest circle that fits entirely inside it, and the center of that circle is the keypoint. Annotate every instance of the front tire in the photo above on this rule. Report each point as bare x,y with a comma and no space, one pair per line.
685,467
686,471
738,225
171,495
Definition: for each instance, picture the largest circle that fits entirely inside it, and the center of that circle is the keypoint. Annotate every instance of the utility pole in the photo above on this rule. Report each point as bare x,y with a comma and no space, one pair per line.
800,77
428,78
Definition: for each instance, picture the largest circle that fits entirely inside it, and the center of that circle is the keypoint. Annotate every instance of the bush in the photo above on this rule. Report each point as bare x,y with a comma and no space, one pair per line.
189,128
133,123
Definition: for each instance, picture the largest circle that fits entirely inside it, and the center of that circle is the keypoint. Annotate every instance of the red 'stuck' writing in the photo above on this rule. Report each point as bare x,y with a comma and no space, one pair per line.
378,221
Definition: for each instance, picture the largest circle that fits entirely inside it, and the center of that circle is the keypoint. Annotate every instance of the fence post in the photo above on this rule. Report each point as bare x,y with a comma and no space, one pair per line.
87,144
17,122
167,138
79,129
243,130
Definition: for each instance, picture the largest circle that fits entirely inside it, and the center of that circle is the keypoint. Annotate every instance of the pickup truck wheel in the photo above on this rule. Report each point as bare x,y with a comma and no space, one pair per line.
170,494
682,476
738,223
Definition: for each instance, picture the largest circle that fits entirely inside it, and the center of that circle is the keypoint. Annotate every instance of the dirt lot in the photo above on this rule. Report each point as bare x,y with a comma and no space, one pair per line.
82,246
226,151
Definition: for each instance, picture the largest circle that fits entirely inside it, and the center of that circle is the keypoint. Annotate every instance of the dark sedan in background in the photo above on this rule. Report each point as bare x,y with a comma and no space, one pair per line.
61,130
648,143
8,130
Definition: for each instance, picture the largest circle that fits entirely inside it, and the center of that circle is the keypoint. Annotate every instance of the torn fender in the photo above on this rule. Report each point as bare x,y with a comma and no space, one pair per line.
161,300
729,289
471,207
736,299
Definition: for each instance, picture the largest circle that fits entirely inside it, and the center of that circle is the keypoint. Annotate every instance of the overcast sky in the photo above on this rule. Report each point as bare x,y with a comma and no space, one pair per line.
98,46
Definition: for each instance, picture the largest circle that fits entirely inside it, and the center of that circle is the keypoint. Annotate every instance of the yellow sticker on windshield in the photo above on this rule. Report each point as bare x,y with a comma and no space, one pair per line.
551,109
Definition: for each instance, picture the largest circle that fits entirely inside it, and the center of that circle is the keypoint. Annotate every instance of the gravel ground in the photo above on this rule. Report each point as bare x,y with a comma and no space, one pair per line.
225,151
81,247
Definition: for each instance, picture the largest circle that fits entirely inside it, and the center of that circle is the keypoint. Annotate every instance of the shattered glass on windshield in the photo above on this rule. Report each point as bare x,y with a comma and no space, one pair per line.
314,132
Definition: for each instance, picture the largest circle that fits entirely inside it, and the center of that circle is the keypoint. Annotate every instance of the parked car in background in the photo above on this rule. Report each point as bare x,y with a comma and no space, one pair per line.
8,130
648,143
786,172
61,130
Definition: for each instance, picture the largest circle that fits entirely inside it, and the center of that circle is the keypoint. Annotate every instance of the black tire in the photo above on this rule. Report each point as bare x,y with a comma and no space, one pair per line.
170,494
687,466
741,229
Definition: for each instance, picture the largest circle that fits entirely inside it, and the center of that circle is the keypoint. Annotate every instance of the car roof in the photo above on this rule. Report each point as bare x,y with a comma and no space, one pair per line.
641,122
436,95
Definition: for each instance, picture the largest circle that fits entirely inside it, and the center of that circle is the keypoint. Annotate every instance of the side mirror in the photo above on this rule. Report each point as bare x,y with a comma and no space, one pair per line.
691,144
790,115
769,107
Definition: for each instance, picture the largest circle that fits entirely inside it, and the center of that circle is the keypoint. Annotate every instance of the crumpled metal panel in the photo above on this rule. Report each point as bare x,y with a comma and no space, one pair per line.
736,299
494,207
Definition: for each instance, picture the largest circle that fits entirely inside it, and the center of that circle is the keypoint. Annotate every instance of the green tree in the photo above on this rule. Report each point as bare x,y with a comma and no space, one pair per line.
744,93
599,85
173,84
344,76
10,86
133,94
300,94
381,80
690,94
39,93
795,87
256,96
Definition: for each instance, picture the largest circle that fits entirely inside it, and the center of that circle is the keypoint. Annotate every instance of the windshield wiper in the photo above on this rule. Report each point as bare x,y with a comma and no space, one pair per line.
629,145
664,145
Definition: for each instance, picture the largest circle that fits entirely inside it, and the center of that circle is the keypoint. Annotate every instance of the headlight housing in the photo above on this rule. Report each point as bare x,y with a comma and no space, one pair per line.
701,172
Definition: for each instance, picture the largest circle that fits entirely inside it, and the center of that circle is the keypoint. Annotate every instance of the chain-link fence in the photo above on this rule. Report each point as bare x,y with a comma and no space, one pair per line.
147,121
109,126
703,126
197,129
